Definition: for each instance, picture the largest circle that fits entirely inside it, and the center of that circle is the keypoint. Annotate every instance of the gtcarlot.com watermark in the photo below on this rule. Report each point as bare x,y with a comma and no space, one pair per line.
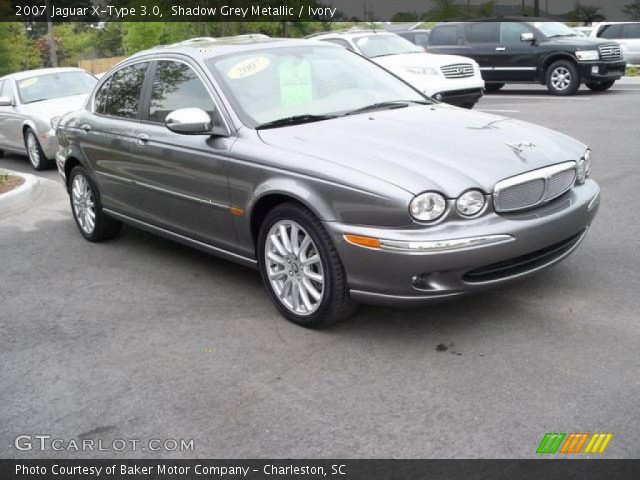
45,442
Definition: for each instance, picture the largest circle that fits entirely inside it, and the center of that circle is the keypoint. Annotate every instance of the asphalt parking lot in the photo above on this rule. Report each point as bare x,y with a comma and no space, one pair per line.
141,338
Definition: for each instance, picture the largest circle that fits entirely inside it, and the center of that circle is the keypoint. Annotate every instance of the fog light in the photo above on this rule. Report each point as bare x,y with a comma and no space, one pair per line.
595,70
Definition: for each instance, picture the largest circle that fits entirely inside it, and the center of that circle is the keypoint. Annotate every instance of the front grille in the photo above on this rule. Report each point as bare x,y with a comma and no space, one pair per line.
610,52
533,188
524,263
458,70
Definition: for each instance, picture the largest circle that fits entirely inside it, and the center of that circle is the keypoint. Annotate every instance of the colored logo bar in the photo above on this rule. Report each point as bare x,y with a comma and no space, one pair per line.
574,442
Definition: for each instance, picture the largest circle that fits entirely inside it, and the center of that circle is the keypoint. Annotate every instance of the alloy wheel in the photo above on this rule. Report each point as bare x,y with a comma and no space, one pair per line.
83,204
33,150
294,267
561,78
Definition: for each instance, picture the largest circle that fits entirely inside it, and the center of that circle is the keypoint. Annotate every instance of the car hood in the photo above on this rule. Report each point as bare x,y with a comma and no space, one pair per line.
393,62
55,107
581,43
422,148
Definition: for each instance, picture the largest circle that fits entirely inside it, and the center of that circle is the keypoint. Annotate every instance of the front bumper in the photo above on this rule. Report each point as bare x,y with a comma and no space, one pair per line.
398,277
48,143
460,98
600,71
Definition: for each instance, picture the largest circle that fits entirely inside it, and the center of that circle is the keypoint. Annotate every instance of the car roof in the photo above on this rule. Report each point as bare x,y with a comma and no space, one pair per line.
40,71
351,33
210,47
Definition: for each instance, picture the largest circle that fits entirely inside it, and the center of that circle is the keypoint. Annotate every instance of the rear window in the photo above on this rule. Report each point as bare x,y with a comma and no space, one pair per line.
483,32
447,35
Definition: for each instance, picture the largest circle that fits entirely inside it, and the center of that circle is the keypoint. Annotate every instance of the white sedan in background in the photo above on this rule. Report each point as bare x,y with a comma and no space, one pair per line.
31,102
448,78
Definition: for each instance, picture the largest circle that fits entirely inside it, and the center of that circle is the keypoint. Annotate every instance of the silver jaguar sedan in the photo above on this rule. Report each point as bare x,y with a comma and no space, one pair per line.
30,104
335,179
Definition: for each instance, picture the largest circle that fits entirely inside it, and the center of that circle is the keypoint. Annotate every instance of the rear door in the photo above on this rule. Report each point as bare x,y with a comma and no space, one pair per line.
516,60
183,178
630,42
106,136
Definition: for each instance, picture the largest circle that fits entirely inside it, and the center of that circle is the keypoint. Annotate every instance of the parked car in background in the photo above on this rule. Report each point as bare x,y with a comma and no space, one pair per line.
334,178
627,34
448,78
513,50
583,31
30,104
410,31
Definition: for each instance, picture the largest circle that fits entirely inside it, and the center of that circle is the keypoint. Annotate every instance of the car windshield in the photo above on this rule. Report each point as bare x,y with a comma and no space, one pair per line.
375,45
312,81
554,29
55,85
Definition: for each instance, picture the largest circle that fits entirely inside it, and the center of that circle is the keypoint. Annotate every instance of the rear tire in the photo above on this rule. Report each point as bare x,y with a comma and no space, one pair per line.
562,78
34,151
301,269
600,87
493,87
93,223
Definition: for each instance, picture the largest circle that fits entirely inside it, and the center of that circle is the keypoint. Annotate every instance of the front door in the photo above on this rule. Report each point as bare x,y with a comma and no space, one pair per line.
516,61
183,178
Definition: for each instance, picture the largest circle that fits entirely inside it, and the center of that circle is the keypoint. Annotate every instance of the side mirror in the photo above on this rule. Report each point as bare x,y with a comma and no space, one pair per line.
5,102
189,121
527,37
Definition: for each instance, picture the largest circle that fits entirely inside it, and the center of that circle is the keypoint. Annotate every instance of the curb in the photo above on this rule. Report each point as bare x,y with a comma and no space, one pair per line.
21,195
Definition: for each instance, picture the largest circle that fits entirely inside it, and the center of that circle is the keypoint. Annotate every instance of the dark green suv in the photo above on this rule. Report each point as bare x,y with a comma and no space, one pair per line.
531,51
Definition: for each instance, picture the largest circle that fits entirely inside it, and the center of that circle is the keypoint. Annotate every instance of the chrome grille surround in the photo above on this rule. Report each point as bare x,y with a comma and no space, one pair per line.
457,70
610,52
534,188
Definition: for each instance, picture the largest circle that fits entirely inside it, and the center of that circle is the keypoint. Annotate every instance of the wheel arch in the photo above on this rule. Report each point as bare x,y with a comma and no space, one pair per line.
554,57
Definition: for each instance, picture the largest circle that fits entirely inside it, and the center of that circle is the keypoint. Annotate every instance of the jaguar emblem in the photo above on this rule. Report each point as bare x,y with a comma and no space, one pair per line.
519,147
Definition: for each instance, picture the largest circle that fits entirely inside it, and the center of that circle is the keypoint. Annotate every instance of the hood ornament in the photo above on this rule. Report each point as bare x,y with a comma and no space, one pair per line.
519,147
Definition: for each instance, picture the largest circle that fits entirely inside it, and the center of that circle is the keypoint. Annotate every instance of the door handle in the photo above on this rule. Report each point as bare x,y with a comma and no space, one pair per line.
142,139
86,128
500,49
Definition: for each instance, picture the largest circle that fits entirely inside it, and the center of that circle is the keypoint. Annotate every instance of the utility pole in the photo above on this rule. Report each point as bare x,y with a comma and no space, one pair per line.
52,41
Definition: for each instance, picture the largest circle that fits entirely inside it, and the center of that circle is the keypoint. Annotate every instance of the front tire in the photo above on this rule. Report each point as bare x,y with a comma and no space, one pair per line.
93,223
562,78
34,151
301,269
600,87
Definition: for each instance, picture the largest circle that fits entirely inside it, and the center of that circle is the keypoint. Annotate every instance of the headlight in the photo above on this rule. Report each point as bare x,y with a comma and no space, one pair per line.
55,121
470,203
587,55
421,70
427,206
581,172
587,161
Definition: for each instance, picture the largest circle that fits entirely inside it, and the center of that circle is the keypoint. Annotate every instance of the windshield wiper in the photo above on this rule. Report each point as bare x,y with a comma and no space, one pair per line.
386,105
294,120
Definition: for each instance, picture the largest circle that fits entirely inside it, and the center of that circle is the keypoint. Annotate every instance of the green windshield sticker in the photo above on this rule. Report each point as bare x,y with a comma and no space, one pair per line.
295,82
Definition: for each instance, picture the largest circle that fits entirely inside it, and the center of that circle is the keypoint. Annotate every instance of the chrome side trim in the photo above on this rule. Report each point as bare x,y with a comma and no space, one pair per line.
439,246
542,173
220,252
172,193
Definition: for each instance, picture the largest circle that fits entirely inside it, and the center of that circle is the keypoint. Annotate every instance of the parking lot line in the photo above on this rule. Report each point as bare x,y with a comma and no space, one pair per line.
493,110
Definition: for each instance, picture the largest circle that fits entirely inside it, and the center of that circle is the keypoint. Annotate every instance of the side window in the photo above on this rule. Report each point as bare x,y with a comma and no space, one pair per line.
1,83
511,31
338,41
421,39
447,35
177,86
631,30
100,99
7,89
610,31
488,32
124,91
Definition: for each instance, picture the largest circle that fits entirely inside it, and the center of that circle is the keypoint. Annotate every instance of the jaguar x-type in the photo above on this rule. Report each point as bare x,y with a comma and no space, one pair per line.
339,182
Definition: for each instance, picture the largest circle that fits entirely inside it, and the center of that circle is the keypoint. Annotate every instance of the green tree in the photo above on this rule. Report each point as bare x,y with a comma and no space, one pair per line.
485,9
632,10
443,10
405,17
584,14
141,35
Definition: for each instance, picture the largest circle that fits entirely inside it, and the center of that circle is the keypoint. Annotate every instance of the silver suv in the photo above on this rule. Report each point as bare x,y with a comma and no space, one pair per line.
334,178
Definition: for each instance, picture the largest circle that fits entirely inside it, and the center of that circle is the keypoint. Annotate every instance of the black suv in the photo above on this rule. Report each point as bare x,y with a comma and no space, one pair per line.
526,50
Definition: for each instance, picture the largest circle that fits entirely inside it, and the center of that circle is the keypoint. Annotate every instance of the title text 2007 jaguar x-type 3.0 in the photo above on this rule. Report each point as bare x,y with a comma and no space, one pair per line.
338,181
